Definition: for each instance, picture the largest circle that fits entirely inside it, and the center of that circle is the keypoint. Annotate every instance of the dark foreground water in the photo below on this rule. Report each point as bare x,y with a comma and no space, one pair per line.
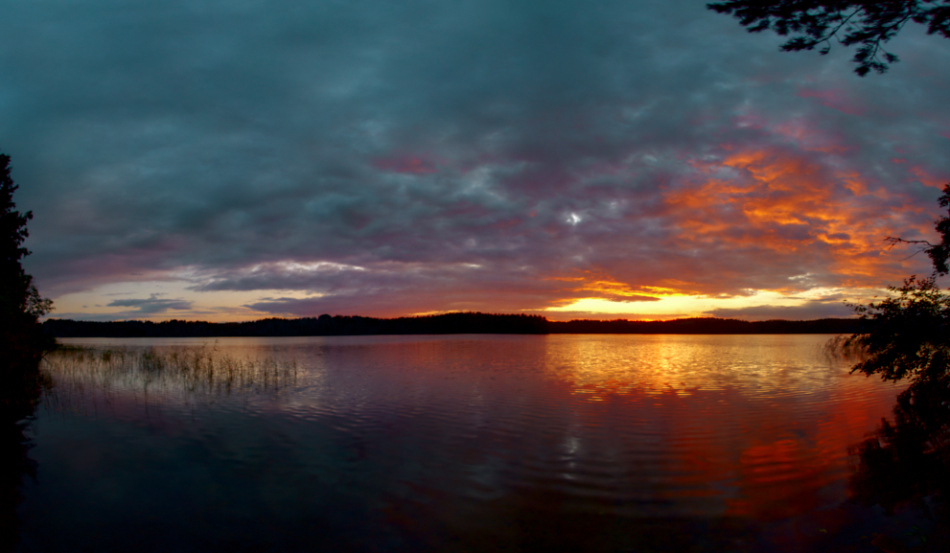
451,443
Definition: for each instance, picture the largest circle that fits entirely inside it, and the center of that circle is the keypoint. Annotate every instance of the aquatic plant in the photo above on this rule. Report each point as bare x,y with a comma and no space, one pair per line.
194,371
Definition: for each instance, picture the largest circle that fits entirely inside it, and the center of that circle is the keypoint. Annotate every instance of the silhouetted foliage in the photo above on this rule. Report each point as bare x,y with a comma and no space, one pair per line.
865,23
22,386
449,323
21,337
907,462
325,325
22,343
704,325
938,253
906,335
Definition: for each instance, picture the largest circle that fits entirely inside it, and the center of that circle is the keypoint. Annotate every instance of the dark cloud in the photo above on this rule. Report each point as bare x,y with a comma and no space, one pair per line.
153,305
464,155
392,289
808,311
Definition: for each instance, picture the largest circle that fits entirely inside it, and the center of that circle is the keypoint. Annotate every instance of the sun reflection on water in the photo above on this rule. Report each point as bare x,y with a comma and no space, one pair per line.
469,435
611,365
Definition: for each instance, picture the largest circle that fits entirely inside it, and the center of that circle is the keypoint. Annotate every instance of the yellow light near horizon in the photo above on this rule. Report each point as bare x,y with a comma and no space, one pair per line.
683,305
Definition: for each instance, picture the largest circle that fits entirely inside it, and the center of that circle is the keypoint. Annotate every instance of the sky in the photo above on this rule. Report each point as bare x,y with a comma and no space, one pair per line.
231,160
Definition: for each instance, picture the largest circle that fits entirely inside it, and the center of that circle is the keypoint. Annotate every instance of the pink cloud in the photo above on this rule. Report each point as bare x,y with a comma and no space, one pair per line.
834,99
929,179
407,164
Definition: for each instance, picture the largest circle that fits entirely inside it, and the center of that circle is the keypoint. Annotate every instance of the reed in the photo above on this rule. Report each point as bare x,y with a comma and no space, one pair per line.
845,348
192,370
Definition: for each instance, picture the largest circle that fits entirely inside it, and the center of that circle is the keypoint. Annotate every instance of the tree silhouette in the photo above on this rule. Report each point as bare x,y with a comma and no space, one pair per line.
21,337
938,253
22,343
866,23
906,336
906,461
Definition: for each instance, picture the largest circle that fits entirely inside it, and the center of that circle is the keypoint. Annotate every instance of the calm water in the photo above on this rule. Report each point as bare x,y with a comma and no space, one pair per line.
477,443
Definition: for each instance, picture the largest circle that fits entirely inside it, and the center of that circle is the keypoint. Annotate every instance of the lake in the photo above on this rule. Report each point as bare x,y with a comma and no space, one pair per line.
450,443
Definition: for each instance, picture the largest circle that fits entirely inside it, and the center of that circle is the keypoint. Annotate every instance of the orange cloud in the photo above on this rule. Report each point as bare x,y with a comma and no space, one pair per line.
599,285
786,202
928,179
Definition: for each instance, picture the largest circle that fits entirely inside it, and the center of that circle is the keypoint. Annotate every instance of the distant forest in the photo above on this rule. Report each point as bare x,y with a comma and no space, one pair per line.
449,323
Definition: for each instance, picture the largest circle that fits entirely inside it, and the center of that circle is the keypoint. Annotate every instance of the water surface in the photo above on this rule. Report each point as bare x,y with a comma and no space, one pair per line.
438,443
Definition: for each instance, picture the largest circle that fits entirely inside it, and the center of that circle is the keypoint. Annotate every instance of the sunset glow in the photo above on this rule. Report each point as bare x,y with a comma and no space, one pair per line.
648,160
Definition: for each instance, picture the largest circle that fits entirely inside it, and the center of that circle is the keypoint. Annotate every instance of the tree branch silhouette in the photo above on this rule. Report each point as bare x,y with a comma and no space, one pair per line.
867,24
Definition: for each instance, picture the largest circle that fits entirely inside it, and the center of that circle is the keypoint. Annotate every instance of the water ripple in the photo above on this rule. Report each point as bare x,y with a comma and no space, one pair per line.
423,436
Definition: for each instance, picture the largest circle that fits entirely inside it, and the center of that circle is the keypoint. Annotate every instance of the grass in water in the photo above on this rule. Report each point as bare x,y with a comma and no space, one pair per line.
193,371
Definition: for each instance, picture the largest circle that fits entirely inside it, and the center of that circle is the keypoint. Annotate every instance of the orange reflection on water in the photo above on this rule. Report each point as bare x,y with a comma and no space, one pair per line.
752,428
761,429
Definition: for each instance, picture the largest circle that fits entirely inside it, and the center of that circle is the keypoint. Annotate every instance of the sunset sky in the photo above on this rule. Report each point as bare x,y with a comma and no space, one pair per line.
240,159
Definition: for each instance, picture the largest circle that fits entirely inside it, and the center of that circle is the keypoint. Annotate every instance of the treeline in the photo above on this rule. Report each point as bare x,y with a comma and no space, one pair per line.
449,323
324,325
706,326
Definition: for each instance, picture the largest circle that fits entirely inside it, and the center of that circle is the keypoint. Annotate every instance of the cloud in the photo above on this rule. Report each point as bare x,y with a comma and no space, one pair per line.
808,311
152,305
469,155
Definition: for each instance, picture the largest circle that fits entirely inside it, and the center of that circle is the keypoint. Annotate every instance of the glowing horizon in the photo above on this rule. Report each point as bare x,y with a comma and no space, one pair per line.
647,160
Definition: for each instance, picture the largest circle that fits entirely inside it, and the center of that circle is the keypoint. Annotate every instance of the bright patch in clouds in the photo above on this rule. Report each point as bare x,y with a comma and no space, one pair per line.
646,159
683,305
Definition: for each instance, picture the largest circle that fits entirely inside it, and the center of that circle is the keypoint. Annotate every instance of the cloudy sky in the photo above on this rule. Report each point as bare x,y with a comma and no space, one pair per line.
240,159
